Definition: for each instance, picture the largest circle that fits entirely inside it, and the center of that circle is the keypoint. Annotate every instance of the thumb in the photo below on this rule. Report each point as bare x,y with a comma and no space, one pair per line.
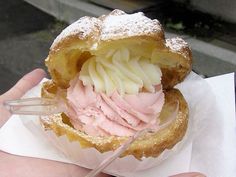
24,84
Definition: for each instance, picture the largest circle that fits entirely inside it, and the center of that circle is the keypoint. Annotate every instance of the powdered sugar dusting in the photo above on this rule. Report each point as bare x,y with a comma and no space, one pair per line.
121,25
117,12
116,25
83,28
176,44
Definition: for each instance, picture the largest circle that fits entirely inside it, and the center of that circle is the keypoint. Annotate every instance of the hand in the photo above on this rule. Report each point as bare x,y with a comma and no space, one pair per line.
17,166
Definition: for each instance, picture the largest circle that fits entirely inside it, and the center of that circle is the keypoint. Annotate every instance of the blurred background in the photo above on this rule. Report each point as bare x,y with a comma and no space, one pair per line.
28,28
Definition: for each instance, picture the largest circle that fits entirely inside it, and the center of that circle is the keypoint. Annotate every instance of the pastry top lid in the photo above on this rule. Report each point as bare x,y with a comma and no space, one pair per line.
116,25
90,36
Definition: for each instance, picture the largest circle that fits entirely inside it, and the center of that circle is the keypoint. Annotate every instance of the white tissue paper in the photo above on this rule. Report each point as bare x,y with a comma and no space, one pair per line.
208,147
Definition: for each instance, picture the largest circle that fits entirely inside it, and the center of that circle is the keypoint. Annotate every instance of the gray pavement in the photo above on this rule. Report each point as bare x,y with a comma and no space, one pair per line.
19,18
26,34
23,53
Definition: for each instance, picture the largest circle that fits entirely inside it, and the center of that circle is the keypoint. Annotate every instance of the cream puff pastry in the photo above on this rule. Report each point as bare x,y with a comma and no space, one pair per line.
116,74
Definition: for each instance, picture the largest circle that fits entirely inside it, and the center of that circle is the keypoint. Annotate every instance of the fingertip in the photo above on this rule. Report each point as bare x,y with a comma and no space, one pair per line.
39,71
35,76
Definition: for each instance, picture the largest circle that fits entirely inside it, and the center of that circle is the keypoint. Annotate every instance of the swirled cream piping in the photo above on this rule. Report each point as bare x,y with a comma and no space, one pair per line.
119,70
98,114
115,94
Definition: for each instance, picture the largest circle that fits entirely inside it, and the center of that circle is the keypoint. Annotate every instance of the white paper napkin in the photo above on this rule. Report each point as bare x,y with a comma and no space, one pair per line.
213,151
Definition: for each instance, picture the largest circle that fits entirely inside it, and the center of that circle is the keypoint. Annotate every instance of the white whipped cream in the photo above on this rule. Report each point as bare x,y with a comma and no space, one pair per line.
119,70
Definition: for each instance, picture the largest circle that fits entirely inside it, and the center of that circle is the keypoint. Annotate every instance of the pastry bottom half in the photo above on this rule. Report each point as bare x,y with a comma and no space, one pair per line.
149,145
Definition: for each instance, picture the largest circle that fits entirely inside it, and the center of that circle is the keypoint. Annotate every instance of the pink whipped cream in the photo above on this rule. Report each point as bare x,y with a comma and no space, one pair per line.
98,114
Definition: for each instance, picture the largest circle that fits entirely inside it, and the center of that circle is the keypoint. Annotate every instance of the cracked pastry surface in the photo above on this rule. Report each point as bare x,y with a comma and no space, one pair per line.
116,56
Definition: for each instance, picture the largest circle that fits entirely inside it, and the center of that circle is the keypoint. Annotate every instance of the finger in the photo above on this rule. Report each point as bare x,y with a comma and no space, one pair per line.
21,87
24,84
34,167
191,174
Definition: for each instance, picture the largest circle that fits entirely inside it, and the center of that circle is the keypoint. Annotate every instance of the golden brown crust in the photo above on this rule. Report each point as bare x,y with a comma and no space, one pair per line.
182,53
49,89
114,26
150,145
143,37
83,30
93,36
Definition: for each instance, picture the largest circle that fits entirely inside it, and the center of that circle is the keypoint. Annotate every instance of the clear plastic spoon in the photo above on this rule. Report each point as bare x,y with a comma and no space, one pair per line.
34,106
